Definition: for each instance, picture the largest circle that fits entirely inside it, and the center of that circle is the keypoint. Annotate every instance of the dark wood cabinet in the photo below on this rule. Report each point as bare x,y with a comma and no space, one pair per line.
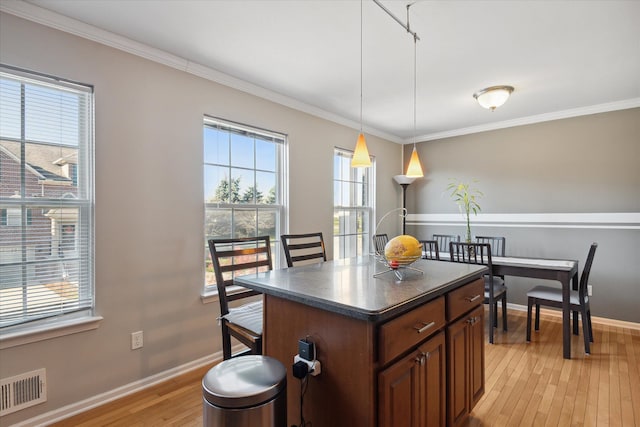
412,390
465,373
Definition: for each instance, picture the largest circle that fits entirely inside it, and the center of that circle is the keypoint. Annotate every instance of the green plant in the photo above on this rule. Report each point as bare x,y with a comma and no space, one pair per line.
466,197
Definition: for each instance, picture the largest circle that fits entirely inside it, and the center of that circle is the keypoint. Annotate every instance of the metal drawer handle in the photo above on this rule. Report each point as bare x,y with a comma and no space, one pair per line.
425,327
472,299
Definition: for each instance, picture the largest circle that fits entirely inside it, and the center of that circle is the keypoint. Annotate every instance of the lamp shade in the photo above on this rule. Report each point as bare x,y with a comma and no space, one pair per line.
361,157
414,170
493,97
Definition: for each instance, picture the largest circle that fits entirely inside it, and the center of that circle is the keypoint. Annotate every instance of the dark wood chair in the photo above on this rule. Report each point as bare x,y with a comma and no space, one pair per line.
303,248
479,253
430,249
545,295
233,257
444,240
379,242
498,248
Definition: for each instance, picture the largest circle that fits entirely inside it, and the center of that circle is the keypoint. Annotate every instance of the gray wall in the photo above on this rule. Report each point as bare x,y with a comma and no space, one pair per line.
149,208
580,165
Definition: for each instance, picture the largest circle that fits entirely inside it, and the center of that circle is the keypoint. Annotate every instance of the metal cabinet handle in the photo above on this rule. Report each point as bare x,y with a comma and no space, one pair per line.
425,327
473,320
472,299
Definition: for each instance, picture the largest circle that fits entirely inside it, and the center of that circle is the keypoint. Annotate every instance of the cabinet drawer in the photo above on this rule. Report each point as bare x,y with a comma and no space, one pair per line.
464,299
404,332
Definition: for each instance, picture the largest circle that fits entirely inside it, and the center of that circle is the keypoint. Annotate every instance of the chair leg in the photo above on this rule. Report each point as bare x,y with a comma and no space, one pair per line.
492,307
585,330
590,326
537,317
495,315
529,307
226,342
504,312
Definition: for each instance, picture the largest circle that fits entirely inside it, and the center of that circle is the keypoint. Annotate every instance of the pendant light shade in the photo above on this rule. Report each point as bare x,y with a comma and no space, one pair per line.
361,157
414,170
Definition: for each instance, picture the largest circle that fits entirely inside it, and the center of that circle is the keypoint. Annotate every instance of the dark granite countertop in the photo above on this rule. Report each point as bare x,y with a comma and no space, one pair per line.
348,287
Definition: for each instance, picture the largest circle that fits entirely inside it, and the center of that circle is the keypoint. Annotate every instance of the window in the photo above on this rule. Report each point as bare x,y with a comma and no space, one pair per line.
352,206
46,225
244,185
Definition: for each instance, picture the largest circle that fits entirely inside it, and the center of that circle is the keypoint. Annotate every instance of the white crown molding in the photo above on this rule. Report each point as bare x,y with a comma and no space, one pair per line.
51,19
539,118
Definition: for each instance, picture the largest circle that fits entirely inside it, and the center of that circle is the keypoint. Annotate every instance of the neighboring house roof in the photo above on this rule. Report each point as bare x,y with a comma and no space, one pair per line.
40,162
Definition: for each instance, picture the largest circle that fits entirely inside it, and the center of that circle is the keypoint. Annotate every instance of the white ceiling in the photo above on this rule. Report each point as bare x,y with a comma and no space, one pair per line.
564,58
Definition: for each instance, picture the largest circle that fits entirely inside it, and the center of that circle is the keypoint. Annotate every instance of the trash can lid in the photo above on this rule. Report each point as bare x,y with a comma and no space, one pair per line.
244,381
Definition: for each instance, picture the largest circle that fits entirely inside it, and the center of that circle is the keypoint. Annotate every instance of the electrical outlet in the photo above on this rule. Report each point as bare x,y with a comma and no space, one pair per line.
137,340
589,290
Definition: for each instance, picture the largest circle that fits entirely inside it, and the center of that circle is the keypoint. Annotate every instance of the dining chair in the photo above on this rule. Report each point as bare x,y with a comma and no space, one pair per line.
232,257
430,249
379,242
444,240
498,248
552,297
480,253
303,248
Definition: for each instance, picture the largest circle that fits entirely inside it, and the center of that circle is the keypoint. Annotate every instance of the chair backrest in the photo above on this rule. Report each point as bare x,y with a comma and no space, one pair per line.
497,244
444,240
471,253
232,257
299,248
584,279
430,249
379,242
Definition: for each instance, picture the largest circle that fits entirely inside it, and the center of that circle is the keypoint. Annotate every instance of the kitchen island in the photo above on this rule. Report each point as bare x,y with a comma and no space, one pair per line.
393,352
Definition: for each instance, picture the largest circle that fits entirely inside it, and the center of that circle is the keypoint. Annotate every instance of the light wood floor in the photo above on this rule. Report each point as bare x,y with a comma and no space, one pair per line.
527,384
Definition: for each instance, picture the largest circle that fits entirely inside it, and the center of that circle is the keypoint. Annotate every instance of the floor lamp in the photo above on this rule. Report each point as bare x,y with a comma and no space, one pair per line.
404,181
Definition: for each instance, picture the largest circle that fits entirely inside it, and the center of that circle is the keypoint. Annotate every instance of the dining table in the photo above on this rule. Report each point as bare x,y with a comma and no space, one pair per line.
561,270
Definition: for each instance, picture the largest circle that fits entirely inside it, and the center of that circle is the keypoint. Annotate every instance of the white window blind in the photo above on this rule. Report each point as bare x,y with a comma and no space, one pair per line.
352,206
46,198
244,185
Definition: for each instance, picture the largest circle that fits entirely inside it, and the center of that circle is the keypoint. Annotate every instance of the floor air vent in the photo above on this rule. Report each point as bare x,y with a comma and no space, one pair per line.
22,391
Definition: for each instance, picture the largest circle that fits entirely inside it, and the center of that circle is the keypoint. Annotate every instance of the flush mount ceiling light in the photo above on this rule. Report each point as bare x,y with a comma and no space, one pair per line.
493,97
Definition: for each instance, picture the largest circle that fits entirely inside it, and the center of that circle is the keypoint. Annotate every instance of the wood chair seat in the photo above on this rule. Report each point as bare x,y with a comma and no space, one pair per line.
248,316
555,294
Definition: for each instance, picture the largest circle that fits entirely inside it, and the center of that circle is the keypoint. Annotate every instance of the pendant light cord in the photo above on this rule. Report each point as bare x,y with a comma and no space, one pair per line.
361,66
415,79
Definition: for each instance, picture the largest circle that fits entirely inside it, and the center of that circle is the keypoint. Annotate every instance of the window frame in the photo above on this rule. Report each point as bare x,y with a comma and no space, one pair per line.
369,209
210,291
65,321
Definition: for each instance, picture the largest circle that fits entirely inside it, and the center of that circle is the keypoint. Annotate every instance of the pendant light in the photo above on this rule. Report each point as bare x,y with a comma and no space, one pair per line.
414,170
361,157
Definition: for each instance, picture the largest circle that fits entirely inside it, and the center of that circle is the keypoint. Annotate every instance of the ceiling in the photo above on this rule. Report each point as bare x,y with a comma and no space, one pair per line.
564,58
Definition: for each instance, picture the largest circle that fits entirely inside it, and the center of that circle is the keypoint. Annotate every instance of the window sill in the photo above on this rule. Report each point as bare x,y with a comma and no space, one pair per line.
44,332
209,296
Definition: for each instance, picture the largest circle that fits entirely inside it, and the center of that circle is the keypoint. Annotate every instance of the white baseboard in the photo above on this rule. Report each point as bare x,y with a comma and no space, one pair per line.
120,392
594,319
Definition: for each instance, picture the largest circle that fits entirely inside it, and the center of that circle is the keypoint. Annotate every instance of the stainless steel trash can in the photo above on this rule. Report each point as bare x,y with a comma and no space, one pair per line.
246,391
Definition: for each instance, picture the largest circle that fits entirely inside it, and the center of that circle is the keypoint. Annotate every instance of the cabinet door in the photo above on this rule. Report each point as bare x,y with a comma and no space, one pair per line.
458,373
433,390
476,357
398,392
